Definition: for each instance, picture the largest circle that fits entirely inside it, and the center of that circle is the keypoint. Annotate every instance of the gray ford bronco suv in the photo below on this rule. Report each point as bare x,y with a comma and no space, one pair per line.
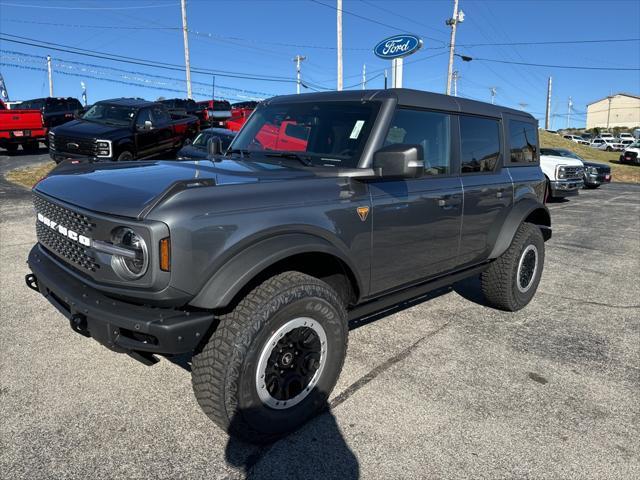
326,207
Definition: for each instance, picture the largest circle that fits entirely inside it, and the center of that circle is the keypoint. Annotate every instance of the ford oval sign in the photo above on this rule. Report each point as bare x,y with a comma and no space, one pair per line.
398,46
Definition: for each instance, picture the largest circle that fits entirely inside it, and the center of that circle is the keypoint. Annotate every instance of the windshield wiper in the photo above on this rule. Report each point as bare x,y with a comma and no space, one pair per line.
304,159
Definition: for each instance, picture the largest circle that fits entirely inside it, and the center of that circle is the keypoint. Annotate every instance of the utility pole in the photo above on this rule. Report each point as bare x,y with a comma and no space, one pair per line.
493,91
298,59
547,124
364,75
455,83
458,17
50,74
569,107
213,88
339,32
609,111
185,36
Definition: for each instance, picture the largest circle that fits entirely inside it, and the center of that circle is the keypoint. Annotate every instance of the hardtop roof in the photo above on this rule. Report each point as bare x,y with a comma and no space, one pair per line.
408,98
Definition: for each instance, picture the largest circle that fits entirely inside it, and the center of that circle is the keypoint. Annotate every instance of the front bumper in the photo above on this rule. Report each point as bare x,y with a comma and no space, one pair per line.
565,188
597,179
120,326
61,156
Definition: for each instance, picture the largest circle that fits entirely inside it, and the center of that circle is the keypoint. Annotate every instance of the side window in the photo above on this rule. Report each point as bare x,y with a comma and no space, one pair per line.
160,116
429,129
479,144
523,142
143,116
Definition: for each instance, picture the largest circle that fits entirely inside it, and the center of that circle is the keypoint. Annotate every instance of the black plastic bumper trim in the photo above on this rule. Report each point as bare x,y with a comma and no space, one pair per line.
118,325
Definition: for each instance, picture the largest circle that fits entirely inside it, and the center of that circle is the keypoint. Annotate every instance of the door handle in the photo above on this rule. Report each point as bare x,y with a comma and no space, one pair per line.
499,194
448,202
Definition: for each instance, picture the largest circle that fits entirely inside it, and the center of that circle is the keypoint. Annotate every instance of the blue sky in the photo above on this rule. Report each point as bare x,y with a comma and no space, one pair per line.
260,37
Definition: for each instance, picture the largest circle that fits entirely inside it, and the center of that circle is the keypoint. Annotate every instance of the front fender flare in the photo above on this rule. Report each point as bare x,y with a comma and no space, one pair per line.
239,270
519,213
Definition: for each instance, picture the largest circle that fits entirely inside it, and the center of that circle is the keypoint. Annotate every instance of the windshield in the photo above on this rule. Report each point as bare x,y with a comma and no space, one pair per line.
569,154
110,114
327,133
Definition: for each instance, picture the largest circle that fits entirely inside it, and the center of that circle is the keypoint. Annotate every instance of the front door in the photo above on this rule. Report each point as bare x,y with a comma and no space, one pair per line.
416,222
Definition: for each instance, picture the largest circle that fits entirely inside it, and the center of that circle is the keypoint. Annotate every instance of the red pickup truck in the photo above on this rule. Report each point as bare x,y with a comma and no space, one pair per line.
21,127
239,113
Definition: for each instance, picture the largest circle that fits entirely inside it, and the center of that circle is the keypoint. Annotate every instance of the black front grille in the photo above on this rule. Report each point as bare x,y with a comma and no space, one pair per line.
61,245
75,221
79,146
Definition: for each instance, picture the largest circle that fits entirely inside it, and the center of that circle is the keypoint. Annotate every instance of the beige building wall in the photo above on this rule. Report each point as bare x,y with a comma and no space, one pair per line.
624,112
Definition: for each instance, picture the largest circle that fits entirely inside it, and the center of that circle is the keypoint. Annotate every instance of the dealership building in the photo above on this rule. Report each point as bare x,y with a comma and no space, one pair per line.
619,110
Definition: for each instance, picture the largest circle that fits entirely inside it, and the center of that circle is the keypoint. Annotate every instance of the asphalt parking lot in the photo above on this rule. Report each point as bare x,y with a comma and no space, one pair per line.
445,388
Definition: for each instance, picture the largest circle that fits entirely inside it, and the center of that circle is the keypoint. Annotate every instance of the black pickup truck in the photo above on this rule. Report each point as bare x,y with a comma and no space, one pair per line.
55,110
255,261
122,129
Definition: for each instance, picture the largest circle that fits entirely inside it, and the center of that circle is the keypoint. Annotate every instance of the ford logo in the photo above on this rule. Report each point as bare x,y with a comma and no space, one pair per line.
72,146
398,46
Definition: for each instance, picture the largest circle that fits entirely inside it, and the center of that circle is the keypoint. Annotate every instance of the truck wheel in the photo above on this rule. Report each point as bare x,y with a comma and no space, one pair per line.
511,280
274,359
11,147
125,156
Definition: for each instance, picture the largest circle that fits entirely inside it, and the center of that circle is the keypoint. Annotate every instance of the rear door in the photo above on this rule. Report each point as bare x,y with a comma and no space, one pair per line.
416,222
488,190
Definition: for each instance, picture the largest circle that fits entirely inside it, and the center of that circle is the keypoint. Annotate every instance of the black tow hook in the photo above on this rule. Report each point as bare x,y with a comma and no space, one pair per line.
32,282
79,324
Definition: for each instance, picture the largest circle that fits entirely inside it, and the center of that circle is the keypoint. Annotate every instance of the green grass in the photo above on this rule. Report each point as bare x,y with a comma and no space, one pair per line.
619,173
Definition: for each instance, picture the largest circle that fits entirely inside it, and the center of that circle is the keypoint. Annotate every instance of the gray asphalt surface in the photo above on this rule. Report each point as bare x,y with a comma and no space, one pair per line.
447,388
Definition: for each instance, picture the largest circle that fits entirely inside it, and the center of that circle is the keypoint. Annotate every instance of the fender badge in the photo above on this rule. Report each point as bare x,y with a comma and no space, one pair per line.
363,212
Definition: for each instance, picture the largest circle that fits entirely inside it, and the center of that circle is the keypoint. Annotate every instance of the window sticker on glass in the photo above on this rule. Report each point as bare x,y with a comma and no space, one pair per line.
356,129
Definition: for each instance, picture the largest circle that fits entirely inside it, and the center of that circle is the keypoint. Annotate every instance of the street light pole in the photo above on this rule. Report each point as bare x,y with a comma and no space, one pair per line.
458,17
185,37
298,59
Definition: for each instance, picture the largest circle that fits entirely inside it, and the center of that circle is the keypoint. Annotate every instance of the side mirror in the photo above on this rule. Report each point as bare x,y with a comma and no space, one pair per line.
399,160
214,146
148,125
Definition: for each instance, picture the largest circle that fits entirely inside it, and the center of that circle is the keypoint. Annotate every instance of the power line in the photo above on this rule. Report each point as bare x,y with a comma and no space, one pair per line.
139,61
572,67
371,20
413,20
552,42
92,26
57,7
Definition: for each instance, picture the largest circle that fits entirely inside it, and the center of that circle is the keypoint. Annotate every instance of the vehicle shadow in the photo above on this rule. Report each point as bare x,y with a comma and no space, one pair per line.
471,289
317,450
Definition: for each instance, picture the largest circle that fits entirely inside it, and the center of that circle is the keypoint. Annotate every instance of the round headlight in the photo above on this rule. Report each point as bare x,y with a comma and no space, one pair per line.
132,266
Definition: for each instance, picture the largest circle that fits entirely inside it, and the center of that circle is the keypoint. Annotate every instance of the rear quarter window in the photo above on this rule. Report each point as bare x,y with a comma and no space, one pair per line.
479,144
523,142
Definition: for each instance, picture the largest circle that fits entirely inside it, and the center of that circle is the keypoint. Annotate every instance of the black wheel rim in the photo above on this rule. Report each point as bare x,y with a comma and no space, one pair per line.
291,363
527,268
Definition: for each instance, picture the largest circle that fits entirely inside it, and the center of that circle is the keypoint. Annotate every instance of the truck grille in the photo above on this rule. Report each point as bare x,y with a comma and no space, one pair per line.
64,144
59,244
572,173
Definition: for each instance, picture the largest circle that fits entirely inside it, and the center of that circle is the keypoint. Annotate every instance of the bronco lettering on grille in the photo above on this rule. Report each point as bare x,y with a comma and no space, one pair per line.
70,234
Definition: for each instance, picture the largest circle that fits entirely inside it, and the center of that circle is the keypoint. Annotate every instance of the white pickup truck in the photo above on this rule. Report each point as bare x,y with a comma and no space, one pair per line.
564,175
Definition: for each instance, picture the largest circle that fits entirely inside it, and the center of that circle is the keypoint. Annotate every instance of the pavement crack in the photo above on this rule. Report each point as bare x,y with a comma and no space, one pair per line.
589,302
383,367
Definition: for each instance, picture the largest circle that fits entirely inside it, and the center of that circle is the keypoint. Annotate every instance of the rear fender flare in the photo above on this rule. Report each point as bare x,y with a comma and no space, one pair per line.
240,269
516,217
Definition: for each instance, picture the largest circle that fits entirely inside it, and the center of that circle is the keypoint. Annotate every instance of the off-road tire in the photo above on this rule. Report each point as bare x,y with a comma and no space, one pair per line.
224,371
125,156
31,147
11,147
499,280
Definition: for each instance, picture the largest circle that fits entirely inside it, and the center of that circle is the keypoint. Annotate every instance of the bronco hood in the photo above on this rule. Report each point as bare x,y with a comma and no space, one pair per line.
128,189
